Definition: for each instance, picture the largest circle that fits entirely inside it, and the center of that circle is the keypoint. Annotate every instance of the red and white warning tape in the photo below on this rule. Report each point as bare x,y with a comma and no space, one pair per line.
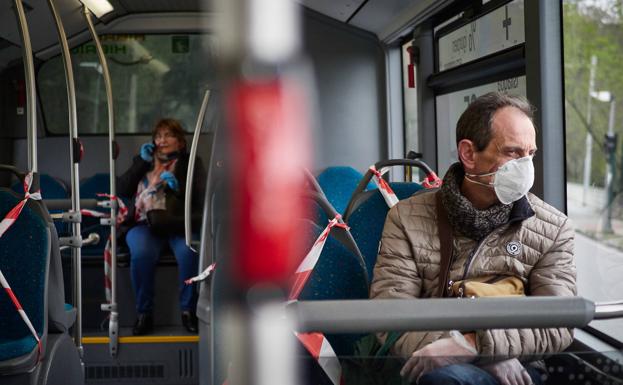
122,213
318,346
311,259
431,181
388,194
203,276
6,223
93,213
316,343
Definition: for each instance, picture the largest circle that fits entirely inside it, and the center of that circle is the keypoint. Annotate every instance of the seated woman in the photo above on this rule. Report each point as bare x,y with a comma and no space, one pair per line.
155,186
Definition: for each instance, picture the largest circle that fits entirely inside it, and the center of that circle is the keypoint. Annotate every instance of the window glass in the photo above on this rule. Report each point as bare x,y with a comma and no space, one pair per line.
593,53
153,76
450,107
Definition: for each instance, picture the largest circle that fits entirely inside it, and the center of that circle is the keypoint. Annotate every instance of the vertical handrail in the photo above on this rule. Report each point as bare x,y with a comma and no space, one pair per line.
113,323
29,74
74,154
191,170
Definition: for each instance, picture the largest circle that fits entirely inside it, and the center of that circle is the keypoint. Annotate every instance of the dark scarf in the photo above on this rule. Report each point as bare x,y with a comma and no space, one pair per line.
462,215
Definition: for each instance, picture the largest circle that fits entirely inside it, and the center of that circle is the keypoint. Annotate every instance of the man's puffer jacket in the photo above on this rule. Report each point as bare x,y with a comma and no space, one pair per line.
409,259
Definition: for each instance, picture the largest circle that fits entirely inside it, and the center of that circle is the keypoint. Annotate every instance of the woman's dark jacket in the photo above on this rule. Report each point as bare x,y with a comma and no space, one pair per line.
171,221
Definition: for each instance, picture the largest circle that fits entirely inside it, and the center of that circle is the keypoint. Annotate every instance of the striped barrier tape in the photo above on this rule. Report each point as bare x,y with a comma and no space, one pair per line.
388,194
122,213
431,181
316,343
203,276
311,259
6,223
93,213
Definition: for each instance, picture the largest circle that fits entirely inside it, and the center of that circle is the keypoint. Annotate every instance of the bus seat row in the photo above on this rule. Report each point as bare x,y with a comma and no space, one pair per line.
367,218
24,261
344,268
338,184
31,263
346,188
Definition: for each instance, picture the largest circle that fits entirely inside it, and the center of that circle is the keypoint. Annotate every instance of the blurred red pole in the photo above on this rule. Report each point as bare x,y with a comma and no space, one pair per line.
268,120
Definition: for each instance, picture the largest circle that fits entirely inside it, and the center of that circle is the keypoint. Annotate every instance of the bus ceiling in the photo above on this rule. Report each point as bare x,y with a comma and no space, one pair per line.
389,20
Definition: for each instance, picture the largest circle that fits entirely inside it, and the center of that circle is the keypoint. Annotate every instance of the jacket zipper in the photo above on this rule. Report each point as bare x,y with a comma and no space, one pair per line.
475,251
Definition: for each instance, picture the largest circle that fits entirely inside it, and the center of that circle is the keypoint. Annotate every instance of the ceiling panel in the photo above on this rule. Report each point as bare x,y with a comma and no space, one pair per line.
377,14
337,9
142,6
390,19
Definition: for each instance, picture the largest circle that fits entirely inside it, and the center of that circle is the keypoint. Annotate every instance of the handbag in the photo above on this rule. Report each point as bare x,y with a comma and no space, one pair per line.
161,223
486,286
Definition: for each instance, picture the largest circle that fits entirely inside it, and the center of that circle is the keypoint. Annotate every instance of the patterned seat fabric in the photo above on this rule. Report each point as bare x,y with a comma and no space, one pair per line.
367,220
24,259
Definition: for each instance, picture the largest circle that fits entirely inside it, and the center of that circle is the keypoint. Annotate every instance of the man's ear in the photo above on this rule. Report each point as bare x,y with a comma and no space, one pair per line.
466,151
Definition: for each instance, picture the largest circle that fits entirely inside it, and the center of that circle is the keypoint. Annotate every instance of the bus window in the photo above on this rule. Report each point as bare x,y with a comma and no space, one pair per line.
450,107
152,76
593,92
409,70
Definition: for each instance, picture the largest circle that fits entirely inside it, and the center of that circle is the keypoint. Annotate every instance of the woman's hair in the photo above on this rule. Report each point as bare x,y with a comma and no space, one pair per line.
174,126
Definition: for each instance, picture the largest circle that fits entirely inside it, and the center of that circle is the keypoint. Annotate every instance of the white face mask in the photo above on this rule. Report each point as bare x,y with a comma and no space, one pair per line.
511,181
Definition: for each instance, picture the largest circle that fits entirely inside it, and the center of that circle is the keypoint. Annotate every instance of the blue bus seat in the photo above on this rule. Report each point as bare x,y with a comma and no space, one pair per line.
51,188
339,274
367,219
338,184
24,260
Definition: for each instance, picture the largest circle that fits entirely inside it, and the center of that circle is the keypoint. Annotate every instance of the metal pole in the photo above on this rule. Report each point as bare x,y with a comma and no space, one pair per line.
589,138
29,73
191,171
74,146
611,151
113,323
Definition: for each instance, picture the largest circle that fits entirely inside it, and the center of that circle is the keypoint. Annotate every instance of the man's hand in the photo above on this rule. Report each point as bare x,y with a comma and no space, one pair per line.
443,352
509,372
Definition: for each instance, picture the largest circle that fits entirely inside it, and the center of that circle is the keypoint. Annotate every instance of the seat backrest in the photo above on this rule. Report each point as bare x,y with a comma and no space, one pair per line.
89,188
367,219
338,184
24,261
339,274
51,188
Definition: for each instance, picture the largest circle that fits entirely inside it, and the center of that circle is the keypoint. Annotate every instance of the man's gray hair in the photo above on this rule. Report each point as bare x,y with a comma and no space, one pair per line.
475,122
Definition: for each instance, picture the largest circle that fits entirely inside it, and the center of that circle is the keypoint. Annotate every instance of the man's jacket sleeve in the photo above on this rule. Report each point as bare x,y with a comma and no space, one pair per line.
396,276
553,275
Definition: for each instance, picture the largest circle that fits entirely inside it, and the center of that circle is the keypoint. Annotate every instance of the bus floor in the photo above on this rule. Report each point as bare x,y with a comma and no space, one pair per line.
168,356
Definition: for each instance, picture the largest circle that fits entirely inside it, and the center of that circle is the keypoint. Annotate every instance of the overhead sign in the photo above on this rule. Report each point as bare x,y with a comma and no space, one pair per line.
497,30
450,107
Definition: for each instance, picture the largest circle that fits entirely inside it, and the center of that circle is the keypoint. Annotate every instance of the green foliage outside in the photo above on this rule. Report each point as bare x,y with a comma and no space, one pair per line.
592,28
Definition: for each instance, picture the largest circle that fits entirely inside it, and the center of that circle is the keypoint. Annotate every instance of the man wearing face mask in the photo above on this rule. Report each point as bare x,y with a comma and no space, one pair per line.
498,229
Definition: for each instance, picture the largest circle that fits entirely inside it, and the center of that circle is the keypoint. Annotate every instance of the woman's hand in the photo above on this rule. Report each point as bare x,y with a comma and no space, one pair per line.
170,180
147,151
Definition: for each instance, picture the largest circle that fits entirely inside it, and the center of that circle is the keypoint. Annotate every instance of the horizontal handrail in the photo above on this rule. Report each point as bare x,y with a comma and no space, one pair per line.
608,310
65,204
363,316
